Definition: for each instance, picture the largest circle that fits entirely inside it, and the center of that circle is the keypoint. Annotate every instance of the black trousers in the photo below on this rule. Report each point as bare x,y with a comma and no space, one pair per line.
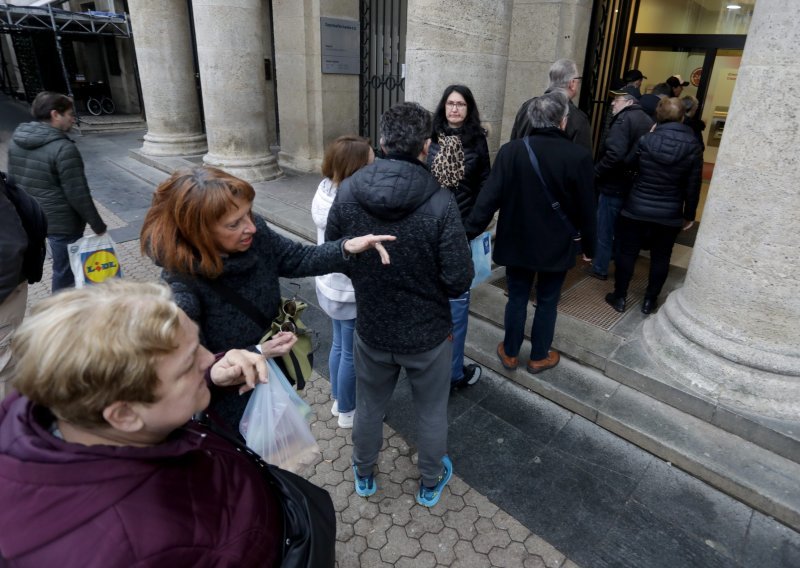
632,235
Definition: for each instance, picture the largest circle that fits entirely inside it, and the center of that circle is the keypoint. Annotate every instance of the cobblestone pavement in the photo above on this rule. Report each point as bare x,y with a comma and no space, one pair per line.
388,529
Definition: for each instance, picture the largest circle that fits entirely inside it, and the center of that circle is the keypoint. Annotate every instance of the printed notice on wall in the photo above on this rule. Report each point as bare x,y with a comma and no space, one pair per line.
339,40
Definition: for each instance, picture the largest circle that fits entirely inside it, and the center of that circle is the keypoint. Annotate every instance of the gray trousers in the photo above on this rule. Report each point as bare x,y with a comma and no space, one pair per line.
376,377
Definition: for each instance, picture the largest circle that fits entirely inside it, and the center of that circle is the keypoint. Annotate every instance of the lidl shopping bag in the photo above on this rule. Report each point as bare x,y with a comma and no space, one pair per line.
94,260
481,258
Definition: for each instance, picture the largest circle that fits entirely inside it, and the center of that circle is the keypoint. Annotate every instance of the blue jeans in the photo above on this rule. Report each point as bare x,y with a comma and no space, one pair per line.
608,209
548,290
340,362
62,272
459,312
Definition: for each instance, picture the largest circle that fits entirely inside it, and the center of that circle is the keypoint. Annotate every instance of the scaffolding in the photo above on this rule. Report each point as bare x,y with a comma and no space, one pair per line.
19,19
13,18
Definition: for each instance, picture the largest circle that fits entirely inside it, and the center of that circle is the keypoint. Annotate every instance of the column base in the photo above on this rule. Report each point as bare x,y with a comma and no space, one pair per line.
174,145
255,169
732,373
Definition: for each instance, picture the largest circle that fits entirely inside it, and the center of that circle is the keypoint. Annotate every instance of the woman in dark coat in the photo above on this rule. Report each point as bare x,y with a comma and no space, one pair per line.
202,231
662,202
459,159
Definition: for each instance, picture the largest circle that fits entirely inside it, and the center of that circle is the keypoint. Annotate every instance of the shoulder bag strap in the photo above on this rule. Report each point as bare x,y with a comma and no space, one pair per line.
576,235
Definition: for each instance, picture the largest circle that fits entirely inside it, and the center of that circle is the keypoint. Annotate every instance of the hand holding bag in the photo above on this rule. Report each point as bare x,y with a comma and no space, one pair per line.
298,362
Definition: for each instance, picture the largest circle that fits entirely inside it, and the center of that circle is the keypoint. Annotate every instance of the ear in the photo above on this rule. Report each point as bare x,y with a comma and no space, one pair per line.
54,114
123,416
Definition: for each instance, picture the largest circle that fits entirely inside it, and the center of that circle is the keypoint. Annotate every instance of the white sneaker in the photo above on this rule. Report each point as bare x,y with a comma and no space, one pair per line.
346,419
335,408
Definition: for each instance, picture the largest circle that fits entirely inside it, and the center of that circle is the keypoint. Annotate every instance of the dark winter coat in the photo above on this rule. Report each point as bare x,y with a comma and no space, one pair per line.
667,189
614,170
530,234
403,307
13,243
45,162
192,500
476,168
578,128
254,275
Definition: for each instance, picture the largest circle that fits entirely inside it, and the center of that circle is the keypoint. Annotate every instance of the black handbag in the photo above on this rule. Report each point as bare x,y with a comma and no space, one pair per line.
309,520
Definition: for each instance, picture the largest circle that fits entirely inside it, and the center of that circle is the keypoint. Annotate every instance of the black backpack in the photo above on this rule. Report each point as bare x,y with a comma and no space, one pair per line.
34,222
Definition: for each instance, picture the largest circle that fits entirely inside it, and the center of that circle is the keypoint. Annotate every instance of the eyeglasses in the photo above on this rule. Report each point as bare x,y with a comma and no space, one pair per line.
577,78
453,104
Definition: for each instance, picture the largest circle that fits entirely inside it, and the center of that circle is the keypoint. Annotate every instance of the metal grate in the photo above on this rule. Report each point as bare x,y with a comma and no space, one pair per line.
583,297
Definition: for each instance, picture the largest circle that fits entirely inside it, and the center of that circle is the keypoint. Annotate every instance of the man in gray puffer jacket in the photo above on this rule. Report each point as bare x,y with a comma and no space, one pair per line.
403,308
45,163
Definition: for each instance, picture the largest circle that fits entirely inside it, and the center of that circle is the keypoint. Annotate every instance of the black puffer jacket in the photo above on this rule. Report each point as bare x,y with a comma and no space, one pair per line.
667,188
46,163
614,170
476,168
403,307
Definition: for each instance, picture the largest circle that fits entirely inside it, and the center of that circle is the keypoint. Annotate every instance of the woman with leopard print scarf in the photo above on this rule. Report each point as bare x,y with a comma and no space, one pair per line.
459,159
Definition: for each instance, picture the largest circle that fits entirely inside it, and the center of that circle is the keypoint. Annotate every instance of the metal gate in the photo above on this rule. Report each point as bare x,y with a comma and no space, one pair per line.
605,55
383,56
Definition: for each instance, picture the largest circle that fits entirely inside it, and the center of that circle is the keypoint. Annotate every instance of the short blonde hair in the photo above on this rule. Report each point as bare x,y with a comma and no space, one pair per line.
81,350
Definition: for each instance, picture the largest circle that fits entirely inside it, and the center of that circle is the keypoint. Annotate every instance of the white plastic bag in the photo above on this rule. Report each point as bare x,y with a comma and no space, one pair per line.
93,260
481,258
274,425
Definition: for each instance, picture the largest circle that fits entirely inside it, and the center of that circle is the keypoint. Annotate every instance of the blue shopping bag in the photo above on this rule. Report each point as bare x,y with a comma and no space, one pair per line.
481,258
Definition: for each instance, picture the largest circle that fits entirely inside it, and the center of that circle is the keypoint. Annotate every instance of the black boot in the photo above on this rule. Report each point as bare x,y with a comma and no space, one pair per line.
649,305
615,302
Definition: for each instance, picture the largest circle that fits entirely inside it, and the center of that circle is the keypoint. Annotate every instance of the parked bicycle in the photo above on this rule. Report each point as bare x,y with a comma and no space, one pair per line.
96,97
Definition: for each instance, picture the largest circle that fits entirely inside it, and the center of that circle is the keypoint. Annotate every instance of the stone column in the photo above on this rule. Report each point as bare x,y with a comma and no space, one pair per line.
459,41
733,331
164,55
232,76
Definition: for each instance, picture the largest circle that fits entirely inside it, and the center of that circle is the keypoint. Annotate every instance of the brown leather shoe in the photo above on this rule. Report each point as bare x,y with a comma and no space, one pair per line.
509,363
548,362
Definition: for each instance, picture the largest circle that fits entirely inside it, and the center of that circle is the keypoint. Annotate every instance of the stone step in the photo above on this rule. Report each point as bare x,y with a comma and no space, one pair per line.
619,355
139,170
752,474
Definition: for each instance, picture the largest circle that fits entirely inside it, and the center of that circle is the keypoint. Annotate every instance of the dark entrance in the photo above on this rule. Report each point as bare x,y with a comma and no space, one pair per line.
383,56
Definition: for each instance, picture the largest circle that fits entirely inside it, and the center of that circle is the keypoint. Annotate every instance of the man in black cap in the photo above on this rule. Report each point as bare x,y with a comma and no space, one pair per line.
633,82
677,84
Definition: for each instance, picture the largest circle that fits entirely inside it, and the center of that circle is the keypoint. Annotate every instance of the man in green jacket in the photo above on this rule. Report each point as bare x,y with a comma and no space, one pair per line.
46,163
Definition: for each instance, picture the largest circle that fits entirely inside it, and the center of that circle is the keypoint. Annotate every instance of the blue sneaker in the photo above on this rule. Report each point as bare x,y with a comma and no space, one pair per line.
365,486
429,496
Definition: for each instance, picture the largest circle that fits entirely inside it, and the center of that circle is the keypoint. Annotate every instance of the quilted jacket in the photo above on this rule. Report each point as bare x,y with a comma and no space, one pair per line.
45,162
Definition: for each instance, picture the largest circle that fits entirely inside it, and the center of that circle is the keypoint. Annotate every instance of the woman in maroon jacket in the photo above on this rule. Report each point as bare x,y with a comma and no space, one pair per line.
100,463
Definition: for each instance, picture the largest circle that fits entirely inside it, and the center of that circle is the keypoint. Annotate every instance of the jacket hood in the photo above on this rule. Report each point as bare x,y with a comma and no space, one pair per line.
671,143
32,135
43,479
393,188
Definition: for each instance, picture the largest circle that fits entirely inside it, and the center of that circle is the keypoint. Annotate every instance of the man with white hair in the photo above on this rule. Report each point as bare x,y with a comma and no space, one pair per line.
564,77
613,175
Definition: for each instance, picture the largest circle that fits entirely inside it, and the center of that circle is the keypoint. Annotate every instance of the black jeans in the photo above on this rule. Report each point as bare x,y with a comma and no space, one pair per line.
631,236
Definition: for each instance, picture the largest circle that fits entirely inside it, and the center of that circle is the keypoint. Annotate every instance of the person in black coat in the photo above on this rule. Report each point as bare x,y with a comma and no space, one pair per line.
532,238
662,202
464,174
614,174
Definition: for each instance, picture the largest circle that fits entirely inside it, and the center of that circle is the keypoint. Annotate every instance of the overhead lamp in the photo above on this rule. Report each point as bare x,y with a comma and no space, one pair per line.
733,7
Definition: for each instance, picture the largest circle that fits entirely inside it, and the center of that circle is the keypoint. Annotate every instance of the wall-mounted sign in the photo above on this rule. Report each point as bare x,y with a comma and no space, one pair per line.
340,46
695,77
